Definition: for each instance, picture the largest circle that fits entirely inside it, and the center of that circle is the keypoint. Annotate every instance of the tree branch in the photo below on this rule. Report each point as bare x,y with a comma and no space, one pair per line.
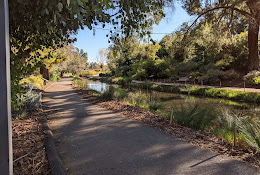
245,13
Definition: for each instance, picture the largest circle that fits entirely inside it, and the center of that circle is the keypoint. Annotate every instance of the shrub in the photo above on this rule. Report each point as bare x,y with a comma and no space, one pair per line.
195,75
109,94
35,80
252,77
28,101
195,116
55,76
188,66
256,80
120,93
122,80
155,105
251,132
248,129
230,74
174,78
212,76
85,74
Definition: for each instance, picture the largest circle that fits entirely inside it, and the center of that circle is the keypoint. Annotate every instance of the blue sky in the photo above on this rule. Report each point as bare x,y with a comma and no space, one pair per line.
91,44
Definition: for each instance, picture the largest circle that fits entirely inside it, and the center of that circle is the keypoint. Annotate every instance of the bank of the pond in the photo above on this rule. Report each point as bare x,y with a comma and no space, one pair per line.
196,137
251,97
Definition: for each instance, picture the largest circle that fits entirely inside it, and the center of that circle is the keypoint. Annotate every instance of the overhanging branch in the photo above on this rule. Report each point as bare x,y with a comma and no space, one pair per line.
245,13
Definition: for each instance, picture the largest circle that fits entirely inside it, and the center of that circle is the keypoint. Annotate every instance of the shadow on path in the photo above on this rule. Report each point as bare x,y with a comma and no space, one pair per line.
92,140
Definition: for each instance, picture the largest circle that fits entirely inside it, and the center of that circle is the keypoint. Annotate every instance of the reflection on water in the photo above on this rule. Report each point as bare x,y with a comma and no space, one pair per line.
177,100
99,86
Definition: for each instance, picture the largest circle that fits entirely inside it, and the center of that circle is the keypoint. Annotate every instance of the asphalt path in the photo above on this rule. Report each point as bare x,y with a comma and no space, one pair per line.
94,141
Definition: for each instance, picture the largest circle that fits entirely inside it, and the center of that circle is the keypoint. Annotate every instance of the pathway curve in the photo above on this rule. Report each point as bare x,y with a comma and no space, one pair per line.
92,140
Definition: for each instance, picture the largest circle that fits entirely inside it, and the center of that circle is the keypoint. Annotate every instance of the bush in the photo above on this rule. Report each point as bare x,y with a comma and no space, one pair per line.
155,105
252,77
195,75
230,74
55,76
174,78
212,76
85,74
248,129
122,80
28,101
251,133
109,94
195,116
121,93
35,80
189,66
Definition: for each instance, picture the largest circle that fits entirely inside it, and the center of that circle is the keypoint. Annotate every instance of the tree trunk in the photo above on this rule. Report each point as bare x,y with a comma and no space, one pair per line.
45,72
253,32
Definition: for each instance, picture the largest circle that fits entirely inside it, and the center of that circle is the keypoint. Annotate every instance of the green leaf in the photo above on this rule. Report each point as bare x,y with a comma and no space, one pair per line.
60,6
80,3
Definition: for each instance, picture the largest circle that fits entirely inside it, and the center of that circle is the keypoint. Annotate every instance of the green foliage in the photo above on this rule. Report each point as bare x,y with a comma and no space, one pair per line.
123,80
251,132
195,116
248,130
55,76
252,77
108,95
28,101
155,105
212,76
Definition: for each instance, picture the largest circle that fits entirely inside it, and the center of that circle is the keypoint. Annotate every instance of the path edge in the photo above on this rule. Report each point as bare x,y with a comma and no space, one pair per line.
55,163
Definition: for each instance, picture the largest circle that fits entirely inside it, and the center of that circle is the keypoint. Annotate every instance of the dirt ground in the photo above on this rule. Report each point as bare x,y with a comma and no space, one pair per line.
28,145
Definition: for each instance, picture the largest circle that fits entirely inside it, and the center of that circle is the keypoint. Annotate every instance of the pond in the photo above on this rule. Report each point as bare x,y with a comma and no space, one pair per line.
176,100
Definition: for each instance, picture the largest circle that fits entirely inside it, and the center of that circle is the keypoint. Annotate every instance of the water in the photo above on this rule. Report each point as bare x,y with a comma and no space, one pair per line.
100,86
177,100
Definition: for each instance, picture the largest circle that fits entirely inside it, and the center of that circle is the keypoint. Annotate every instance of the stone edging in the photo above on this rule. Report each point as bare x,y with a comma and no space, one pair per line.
55,163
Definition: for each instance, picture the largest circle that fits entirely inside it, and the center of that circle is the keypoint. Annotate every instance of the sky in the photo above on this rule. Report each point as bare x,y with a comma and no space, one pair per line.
92,43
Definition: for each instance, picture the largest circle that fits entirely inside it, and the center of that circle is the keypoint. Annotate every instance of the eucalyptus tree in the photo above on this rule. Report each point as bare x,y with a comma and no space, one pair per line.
249,16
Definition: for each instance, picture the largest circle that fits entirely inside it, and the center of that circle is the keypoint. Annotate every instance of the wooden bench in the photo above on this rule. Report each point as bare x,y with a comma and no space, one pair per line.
183,79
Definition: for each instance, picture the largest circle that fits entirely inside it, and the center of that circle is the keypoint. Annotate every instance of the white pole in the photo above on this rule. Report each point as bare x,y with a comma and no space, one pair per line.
6,151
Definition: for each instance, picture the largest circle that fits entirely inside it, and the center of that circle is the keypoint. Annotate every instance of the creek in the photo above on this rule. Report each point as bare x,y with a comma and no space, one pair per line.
177,100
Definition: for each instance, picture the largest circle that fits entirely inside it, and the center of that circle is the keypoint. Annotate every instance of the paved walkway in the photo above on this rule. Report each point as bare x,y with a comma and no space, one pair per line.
95,141
203,86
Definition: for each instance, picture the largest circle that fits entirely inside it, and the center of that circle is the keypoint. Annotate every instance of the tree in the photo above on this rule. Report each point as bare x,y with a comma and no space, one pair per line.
37,23
83,54
250,9
102,57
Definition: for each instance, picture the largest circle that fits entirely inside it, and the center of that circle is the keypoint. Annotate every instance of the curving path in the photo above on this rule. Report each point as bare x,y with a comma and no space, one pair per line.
94,141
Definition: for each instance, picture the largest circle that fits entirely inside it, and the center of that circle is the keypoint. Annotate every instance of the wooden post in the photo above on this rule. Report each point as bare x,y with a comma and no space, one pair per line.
235,135
171,89
220,83
201,82
244,86
6,152
171,116
139,101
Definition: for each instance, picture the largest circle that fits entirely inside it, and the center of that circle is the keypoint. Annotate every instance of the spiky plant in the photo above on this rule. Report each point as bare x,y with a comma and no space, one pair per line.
195,116
251,132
